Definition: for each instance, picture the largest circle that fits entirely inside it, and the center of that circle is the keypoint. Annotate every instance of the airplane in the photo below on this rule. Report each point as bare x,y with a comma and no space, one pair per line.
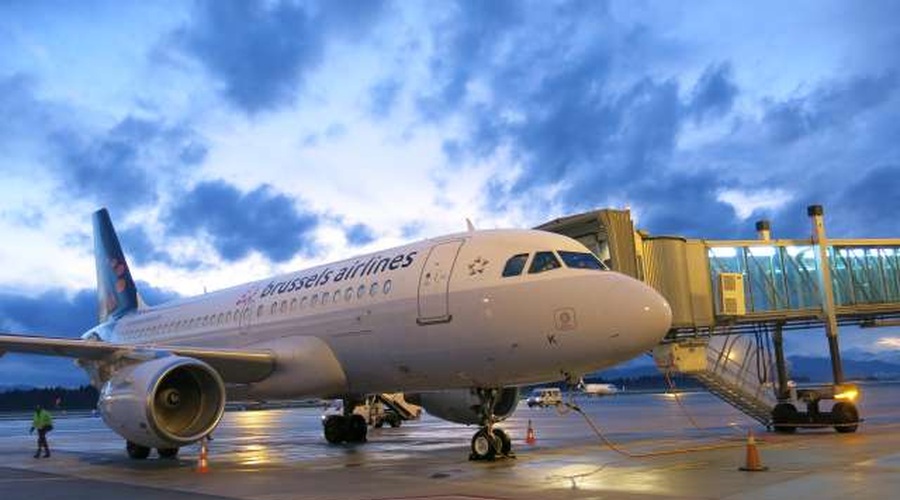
598,389
457,322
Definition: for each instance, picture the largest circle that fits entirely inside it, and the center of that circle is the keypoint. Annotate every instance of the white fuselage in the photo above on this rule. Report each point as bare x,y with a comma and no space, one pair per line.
436,314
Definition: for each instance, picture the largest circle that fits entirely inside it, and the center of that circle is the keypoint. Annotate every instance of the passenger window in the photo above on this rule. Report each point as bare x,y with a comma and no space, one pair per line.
303,302
387,287
361,291
259,310
543,261
336,296
581,260
314,300
348,294
274,308
283,306
221,318
373,289
515,265
228,317
293,304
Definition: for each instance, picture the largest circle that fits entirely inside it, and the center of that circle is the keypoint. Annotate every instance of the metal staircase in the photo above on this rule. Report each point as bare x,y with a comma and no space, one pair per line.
731,367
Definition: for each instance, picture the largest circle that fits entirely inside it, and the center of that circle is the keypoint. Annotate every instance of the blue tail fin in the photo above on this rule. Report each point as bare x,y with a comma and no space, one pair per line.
116,292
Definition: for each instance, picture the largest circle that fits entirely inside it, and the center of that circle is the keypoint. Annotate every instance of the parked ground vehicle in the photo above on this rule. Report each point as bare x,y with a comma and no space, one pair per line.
544,396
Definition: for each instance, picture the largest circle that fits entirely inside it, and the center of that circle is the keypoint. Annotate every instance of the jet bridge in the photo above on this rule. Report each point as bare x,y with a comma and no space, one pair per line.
733,299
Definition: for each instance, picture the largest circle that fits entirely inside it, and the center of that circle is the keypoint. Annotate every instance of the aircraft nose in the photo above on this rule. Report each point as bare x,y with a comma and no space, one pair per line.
650,312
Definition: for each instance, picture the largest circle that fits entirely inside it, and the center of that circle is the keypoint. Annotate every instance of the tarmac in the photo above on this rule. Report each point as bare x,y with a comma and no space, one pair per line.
647,446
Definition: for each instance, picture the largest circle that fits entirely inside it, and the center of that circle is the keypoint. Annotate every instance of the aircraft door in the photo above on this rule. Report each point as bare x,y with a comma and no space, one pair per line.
434,283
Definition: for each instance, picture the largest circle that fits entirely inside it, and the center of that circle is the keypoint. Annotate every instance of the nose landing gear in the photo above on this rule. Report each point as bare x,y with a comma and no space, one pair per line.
490,442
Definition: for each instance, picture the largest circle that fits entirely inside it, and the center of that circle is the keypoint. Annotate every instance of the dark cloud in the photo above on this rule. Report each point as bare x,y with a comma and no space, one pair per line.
155,296
27,120
589,111
874,198
54,313
359,235
261,52
237,223
122,168
466,43
714,93
830,106
141,250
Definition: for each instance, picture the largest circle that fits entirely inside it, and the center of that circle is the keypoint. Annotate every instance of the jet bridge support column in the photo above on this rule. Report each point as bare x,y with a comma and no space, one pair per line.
784,392
764,232
817,214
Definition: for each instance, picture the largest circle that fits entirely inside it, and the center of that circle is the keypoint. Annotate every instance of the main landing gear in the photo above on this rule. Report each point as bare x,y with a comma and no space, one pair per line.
346,428
490,442
140,452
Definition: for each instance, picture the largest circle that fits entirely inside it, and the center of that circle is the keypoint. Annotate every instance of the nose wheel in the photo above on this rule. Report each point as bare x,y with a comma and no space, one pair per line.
490,442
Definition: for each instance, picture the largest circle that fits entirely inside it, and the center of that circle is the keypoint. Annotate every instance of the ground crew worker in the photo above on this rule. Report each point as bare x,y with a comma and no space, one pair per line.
43,422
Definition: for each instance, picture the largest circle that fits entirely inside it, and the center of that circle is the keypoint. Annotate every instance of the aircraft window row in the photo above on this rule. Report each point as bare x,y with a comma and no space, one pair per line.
324,298
224,318
548,261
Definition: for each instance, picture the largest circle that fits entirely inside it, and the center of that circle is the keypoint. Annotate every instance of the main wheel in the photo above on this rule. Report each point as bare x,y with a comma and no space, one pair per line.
484,445
136,451
335,429
845,416
167,452
784,415
505,441
357,429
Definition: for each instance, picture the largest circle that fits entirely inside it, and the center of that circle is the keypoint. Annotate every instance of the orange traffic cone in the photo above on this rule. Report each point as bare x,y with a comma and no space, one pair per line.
202,464
529,436
754,464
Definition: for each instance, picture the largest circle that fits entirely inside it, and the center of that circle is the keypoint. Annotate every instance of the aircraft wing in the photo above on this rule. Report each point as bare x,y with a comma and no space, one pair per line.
235,366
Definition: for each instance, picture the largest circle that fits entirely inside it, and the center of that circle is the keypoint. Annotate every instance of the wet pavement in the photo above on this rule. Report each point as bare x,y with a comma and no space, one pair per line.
663,447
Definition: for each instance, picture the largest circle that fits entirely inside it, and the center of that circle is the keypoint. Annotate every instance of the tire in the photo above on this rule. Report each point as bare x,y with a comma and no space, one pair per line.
845,416
395,422
484,446
357,429
136,451
782,414
505,441
379,423
335,429
167,453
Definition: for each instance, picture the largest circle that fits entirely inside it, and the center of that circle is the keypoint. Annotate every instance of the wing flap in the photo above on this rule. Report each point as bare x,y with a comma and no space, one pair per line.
235,366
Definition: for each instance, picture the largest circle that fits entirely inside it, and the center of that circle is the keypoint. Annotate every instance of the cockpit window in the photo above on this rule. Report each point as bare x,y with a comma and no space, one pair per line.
515,264
543,261
581,260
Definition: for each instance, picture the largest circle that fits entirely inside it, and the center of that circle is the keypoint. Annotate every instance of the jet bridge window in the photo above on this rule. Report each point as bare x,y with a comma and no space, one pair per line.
581,260
543,261
515,265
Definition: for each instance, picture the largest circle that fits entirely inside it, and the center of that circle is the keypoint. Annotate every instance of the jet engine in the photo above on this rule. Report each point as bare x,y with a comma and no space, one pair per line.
463,406
163,403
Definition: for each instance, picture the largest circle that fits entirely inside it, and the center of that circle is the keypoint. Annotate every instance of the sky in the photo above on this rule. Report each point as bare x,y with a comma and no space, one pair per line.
235,140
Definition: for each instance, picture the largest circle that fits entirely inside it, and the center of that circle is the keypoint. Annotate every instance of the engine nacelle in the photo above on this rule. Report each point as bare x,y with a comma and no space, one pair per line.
462,406
163,403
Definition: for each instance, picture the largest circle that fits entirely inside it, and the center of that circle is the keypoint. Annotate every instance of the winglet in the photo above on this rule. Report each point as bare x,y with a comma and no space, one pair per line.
116,292
469,225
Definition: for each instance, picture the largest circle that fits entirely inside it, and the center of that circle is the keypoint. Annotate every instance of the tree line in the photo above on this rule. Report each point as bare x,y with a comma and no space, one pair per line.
51,398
